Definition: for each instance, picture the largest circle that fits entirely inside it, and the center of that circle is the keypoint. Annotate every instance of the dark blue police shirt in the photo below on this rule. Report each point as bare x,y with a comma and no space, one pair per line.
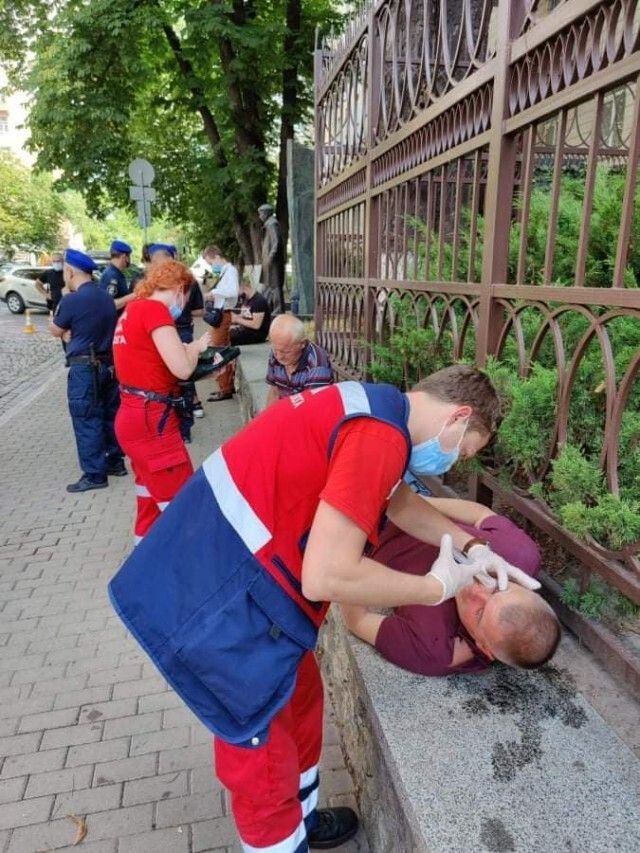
114,282
91,316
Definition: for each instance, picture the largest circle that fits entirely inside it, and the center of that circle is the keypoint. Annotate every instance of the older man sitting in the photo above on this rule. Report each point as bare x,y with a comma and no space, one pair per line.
295,364
466,633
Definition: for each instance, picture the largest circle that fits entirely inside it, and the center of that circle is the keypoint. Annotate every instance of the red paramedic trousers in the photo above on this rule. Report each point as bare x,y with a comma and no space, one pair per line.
160,462
274,786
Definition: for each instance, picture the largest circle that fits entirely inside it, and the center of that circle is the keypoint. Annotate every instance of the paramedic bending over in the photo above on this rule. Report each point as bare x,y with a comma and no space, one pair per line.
149,359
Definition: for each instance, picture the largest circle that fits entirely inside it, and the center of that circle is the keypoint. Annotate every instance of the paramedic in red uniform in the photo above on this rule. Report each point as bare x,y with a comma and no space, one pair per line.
149,358
227,592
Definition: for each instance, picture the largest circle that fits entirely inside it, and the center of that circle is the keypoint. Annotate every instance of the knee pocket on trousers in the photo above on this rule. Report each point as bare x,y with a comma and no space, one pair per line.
80,408
167,459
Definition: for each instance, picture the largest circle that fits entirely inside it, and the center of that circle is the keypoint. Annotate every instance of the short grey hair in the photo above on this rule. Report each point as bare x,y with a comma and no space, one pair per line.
290,325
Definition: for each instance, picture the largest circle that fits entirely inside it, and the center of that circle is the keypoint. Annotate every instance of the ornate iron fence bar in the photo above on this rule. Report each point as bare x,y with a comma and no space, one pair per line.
459,151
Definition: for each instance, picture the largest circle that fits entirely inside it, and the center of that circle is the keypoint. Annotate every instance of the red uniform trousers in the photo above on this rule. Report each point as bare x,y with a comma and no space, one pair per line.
274,787
160,462
221,337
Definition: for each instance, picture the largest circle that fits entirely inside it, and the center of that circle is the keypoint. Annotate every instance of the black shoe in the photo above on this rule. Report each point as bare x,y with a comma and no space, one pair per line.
334,827
84,484
117,470
217,396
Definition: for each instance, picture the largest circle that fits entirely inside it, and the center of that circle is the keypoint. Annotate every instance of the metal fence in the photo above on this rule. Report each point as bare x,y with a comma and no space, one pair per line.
471,158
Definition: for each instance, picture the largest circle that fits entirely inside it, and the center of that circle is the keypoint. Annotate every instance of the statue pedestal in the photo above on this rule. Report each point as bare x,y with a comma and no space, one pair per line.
300,169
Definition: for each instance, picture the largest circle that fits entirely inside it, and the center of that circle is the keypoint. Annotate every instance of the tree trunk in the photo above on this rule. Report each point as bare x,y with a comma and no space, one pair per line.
244,230
288,112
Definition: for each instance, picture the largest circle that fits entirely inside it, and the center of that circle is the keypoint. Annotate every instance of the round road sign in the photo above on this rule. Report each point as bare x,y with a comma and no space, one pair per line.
141,172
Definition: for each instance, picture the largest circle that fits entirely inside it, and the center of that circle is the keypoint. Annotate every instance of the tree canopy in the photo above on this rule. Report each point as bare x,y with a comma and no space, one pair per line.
207,90
35,216
30,212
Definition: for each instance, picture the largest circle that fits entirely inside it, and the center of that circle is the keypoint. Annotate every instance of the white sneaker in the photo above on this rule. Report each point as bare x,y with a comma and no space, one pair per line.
198,411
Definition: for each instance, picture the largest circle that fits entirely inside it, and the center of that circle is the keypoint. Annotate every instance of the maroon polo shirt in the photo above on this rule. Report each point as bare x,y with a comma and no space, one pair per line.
420,638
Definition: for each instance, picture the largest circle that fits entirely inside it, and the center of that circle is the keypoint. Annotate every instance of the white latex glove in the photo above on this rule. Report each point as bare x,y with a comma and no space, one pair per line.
451,574
491,570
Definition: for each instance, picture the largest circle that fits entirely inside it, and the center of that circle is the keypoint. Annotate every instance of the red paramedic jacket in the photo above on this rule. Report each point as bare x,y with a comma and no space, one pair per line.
213,593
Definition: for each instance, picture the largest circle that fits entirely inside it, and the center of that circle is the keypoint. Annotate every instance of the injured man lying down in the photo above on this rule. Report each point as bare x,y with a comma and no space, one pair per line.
466,633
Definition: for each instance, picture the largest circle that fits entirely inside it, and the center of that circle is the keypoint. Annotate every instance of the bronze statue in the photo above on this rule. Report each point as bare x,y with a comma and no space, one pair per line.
273,259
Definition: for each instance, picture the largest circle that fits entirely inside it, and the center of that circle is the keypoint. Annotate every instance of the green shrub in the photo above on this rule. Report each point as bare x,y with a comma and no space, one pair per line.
412,350
605,221
574,487
528,421
613,522
574,478
575,517
598,601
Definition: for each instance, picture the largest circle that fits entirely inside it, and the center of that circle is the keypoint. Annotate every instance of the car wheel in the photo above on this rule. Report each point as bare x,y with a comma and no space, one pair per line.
15,302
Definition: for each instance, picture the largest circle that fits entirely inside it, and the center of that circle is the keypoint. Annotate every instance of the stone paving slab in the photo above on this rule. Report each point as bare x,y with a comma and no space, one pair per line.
87,726
507,760
27,360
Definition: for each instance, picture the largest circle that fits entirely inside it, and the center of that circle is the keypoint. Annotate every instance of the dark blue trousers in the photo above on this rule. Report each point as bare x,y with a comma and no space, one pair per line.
93,402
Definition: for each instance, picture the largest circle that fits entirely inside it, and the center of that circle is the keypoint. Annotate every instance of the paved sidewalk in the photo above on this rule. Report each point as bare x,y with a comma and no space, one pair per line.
87,727
25,360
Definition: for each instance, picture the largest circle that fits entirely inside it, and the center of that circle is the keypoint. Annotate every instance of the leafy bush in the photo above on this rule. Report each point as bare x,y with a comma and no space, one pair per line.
574,478
598,601
608,194
412,350
529,418
576,490
615,522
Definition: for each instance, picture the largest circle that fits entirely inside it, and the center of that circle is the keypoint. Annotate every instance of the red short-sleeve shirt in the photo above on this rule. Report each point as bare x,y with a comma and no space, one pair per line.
367,462
137,360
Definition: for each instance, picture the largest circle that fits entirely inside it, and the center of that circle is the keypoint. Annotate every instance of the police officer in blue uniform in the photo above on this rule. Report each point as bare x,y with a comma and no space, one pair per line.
113,280
86,320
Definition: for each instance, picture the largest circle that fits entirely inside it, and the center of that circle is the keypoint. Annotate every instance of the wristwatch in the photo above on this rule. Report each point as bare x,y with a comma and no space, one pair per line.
476,540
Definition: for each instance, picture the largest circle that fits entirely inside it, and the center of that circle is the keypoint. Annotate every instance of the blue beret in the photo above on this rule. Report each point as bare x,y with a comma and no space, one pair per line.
163,247
79,260
119,246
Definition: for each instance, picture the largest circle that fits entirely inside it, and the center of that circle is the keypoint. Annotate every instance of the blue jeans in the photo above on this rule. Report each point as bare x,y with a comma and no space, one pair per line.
93,399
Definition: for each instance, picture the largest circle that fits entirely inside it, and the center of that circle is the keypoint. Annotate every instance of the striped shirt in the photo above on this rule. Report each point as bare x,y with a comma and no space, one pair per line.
312,371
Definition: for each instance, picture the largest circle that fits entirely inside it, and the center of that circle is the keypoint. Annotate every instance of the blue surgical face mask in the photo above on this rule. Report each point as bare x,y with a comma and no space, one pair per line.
176,309
216,269
428,458
56,266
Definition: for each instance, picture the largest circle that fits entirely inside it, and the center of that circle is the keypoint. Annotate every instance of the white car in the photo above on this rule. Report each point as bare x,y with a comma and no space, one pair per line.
18,288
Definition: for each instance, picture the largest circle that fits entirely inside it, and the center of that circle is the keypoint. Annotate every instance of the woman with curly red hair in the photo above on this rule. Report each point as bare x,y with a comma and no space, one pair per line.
149,360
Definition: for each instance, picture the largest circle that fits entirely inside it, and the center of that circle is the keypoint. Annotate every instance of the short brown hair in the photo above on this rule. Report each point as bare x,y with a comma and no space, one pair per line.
164,275
466,386
530,635
212,251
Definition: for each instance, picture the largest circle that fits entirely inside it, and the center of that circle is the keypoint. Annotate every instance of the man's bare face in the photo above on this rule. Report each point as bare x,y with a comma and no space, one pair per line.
479,611
472,443
286,351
